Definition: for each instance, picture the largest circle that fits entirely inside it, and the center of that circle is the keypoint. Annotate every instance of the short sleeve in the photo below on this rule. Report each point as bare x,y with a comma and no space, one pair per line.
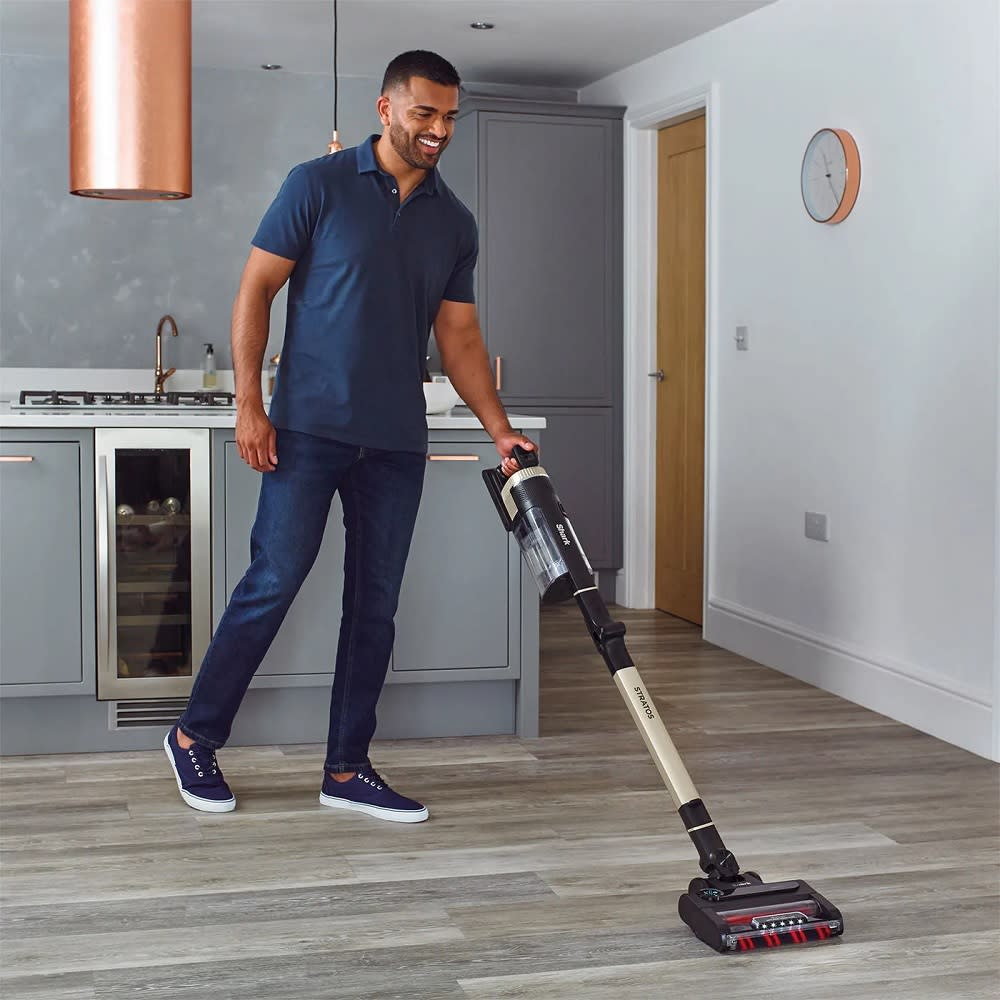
460,287
288,225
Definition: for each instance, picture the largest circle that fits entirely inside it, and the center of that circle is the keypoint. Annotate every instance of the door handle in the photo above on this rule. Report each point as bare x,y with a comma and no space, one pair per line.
658,375
17,458
498,364
452,458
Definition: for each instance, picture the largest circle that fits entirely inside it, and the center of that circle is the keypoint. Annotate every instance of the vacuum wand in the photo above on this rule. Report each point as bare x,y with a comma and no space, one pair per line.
727,908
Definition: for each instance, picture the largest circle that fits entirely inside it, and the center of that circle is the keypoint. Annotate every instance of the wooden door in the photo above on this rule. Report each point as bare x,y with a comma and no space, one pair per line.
680,355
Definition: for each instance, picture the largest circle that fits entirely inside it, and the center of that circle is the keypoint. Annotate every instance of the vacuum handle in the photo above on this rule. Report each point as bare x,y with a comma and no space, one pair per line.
524,458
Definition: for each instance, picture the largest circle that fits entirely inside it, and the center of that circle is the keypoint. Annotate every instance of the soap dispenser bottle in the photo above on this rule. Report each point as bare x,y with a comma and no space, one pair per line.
208,377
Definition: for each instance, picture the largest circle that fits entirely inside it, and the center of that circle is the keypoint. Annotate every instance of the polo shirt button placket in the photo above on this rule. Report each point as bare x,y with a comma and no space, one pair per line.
395,217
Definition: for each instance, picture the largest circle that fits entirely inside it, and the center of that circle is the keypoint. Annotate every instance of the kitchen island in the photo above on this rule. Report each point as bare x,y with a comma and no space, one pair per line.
465,660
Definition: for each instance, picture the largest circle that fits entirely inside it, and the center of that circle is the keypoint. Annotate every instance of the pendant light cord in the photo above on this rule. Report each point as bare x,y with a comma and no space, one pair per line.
335,145
335,65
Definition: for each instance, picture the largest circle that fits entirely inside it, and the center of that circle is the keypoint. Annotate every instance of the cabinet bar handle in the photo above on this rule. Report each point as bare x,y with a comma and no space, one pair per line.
17,458
499,371
452,458
104,557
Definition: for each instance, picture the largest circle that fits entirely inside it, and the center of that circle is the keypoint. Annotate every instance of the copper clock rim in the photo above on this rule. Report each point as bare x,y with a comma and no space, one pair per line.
852,182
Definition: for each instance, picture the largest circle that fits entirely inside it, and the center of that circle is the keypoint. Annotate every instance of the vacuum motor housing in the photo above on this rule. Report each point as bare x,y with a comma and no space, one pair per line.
529,507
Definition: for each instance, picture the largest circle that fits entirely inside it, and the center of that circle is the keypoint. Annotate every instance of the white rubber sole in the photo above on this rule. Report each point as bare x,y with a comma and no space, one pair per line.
393,815
203,805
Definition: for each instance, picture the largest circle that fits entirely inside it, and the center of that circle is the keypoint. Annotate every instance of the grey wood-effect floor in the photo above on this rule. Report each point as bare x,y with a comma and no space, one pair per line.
550,868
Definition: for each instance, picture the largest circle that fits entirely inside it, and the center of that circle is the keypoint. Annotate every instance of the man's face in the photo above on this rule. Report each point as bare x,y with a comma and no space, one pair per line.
421,120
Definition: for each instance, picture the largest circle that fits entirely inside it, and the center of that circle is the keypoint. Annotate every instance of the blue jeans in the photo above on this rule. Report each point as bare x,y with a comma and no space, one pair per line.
380,493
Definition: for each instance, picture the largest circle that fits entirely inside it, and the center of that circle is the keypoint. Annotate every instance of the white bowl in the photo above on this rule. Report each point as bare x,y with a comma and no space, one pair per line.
440,397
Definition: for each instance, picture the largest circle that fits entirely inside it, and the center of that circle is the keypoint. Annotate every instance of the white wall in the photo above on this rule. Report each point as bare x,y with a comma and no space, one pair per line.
870,388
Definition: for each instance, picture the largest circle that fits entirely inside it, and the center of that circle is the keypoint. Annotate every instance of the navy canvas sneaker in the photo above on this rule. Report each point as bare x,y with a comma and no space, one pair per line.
368,792
199,777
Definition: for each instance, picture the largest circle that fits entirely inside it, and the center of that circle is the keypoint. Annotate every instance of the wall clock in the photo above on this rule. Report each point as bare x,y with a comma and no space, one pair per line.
831,175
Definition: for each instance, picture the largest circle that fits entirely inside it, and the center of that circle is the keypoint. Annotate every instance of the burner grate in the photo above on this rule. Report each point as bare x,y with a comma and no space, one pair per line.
56,398
198,398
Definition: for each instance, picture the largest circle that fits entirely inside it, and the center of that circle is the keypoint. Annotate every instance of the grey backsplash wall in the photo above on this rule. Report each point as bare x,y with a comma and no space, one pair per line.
83,282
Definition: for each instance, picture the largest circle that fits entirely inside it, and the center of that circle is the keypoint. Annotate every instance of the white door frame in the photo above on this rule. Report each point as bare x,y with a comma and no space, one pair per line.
636,587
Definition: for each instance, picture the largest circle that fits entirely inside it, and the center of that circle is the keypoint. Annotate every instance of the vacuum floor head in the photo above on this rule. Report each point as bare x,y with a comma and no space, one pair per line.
758,915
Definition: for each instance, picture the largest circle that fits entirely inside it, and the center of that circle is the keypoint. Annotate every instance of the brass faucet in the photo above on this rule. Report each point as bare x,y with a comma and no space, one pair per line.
159,375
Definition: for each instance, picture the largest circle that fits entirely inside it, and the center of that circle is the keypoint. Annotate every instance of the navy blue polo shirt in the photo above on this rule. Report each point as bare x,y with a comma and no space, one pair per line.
369,277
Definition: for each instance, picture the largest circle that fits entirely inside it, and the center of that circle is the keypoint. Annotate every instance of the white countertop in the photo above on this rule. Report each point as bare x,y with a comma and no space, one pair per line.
13,380
459,419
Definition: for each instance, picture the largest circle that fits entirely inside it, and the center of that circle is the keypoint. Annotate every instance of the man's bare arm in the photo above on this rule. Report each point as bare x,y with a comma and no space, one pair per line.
263,277
463,354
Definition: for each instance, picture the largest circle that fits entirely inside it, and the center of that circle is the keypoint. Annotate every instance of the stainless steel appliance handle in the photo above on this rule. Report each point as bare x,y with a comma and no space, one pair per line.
17,458
103,568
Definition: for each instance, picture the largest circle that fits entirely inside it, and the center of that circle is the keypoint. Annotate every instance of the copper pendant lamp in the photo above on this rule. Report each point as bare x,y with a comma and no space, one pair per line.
335,145
130,99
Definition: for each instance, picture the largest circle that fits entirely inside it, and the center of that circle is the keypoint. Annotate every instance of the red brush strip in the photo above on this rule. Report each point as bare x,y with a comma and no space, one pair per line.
775,939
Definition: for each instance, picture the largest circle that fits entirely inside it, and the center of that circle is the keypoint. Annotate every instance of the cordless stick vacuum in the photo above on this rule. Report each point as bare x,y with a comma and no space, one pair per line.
728,909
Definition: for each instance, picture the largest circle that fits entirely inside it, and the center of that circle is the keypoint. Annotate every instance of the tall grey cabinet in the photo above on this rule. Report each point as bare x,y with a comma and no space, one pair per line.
544,181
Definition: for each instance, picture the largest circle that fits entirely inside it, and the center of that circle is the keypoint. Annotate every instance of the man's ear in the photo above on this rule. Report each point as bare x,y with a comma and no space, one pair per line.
382,106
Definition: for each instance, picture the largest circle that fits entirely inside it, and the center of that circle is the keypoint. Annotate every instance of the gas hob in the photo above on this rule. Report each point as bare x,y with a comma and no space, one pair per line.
65,400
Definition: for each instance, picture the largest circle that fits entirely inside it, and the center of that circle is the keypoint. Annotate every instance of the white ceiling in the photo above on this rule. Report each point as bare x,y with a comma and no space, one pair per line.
556,43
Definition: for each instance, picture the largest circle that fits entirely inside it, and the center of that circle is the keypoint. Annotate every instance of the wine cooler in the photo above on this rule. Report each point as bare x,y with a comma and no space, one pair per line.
153,560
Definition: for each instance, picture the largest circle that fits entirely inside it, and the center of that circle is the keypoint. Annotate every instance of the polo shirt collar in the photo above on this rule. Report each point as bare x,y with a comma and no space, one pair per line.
367,164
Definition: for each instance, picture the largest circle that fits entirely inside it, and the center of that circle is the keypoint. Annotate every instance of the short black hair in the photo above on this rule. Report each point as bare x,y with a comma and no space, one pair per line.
428,65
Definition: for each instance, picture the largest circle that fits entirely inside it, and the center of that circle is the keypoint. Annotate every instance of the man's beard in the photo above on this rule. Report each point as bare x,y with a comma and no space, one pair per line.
409,150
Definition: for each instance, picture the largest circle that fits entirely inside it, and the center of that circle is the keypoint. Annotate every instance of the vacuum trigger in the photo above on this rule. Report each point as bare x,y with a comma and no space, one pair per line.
524,458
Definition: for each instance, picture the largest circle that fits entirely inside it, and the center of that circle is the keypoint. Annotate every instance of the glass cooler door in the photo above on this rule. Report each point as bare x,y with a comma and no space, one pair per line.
154,560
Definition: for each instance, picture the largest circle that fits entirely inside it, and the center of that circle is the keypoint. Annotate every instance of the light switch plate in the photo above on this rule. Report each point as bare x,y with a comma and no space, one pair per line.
817,526
742,338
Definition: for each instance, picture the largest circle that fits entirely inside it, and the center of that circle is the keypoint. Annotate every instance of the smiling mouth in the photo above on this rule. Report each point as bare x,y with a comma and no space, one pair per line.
431,145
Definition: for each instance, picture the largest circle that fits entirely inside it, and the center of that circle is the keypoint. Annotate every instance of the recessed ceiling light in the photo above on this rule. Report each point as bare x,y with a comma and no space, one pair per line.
270,65
482,25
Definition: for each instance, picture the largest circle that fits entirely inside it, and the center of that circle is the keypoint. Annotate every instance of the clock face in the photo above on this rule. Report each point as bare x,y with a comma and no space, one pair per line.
831,173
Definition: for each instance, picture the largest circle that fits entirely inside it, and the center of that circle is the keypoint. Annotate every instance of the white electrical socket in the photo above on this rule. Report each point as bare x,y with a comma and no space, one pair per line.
817,526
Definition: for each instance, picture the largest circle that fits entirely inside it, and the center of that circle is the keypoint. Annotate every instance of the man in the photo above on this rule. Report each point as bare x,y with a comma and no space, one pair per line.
377,249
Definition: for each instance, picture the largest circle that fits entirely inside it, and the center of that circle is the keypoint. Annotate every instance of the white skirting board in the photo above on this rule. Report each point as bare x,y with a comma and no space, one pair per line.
962,718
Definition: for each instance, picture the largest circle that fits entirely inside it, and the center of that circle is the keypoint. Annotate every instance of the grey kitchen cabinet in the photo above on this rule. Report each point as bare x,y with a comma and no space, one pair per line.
581,457
544,181
306,644
545,184
465,660
47,527
461,585
460,614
